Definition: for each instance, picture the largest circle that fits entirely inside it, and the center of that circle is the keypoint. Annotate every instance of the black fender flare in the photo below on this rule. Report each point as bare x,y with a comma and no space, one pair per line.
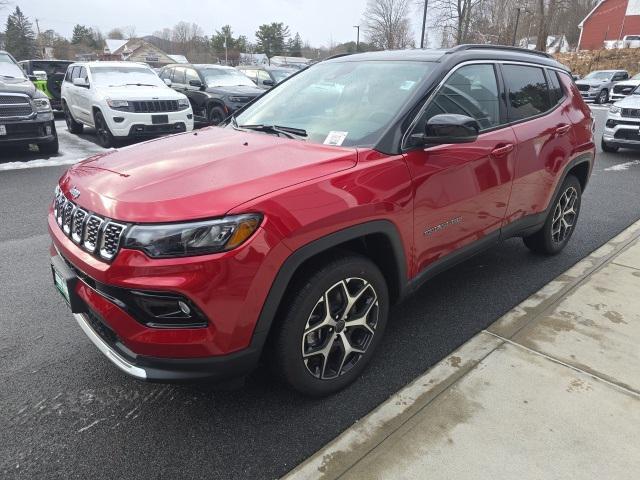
310,250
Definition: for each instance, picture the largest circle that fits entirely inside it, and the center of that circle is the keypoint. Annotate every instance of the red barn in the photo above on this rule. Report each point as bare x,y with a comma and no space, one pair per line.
610,20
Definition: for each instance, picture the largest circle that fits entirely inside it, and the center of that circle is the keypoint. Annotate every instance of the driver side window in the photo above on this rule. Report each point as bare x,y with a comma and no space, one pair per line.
472,91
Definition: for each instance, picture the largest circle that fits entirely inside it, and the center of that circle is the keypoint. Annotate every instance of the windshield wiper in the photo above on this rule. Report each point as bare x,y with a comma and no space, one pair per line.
134,85
290,132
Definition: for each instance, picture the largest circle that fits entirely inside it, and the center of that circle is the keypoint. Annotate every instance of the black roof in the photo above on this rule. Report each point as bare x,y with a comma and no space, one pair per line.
459,54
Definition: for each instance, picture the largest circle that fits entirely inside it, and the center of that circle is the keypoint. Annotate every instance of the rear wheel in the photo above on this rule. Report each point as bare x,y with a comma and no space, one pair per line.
105,138
603,96
561,221
216,115
608,148
72,125
331,325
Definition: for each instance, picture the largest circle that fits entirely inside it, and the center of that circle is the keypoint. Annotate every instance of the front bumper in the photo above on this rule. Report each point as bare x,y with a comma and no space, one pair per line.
39,129
126,124
625,135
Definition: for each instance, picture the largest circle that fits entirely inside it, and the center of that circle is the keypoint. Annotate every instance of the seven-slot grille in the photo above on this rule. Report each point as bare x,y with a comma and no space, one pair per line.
99,236
631,112
155,106
583,88
16,105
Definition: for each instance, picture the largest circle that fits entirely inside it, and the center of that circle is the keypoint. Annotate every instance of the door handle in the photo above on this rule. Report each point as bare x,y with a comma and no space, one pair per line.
503,151
563,130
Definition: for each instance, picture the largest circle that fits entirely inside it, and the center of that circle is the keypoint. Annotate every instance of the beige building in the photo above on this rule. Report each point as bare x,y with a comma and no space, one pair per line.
136,50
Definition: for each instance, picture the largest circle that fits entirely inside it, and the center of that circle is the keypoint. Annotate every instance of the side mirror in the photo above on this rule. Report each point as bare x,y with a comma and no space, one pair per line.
195,83
33,78
167,82
81,82
449,128
268,83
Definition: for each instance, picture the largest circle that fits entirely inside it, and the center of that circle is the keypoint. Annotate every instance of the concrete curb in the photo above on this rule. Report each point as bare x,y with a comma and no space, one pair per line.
351,446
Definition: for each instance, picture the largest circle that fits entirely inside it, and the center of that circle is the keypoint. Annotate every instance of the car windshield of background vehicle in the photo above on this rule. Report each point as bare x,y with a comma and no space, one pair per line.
124,76
50,67
280,75
345,103
599,76
8,68
223,77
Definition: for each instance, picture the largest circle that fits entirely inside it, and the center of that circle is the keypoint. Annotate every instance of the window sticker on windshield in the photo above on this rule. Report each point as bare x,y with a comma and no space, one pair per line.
335,138
407,85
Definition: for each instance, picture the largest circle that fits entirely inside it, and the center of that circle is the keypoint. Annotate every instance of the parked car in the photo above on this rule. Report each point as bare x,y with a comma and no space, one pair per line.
47,76
122,100
622,127
25,112
598,85
293,229
266,77
215,91
622,89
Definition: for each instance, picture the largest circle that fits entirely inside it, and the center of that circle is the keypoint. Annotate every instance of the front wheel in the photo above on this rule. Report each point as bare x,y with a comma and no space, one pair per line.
331,325
561,221
216,115
603,97
105,137
607,147
72,125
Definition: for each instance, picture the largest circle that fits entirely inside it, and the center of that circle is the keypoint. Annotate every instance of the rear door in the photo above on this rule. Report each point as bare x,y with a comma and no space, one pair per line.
543,129
461,191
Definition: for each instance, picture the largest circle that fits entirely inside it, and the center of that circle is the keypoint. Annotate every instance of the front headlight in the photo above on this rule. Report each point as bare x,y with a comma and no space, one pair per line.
593,87
118,104
236,99
183,103
193,238
42,105
613,110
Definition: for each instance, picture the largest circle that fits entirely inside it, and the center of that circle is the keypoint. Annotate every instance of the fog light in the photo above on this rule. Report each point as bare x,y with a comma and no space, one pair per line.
47,129
118,119
184,308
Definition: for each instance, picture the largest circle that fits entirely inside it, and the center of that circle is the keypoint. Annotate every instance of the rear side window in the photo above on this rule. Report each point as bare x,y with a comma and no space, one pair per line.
528,91
555,88
472,91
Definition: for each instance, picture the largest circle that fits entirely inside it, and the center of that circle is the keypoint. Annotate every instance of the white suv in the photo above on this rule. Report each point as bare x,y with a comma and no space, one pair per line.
622,128
120,100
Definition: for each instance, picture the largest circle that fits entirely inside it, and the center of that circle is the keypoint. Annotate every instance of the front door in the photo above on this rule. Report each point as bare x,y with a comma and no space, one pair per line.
461,191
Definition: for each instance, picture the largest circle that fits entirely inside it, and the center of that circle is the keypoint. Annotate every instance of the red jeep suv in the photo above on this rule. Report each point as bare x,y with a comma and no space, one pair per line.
287,233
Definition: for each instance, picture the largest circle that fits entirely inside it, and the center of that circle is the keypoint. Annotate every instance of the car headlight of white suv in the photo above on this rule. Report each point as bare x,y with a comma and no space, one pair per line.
42,105
183,103
614,110
118,104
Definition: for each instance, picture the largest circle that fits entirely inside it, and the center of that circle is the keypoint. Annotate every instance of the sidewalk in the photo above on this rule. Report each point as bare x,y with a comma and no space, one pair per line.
549,391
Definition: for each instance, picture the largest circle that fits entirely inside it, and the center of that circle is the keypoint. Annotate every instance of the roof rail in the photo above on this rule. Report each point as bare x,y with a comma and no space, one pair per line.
505,48
337,55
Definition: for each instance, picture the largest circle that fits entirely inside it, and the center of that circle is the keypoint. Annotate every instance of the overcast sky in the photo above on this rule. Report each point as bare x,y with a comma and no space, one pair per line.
318,21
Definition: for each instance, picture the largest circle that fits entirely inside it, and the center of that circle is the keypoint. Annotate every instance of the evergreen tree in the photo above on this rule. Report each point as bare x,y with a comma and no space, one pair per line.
83,36
272,39
20,40
295,46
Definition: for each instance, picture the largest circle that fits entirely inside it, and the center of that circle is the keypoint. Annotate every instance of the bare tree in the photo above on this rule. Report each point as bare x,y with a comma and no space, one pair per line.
387,24
129,31
455,17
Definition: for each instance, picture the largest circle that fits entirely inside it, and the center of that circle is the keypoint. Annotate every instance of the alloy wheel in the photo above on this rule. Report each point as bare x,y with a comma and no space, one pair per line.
101,130
564,215
340,328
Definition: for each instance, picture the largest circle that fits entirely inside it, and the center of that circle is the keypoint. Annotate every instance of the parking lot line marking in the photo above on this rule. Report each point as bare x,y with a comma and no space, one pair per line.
622,166
37,164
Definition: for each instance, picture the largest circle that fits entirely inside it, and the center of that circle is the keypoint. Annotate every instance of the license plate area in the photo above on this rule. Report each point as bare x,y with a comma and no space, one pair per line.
65,281
159,119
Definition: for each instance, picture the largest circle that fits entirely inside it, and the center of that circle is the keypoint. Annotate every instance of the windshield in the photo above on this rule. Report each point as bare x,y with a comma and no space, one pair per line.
8,68
120,76
280,75
346,103
636,77
224,77
599,76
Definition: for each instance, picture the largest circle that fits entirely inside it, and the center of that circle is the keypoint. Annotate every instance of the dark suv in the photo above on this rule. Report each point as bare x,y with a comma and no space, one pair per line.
215,92
292,230
266,77
25,112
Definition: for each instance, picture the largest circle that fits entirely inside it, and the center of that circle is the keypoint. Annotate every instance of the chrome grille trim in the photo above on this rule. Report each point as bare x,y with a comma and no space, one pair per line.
15,105
97,235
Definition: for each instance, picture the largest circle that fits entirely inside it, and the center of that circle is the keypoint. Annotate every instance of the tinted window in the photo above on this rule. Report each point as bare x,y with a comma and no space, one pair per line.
555,89
470,91
528,91
165,73
178,75
75,72
191,75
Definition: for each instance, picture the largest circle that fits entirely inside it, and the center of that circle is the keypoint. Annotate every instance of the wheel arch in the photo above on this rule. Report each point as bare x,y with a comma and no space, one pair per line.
378,240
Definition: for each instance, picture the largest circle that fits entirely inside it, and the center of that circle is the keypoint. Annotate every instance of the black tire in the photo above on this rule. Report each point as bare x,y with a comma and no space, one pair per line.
304,304
72,125
105,137
603,96
555,234
608,148
216,115
49,148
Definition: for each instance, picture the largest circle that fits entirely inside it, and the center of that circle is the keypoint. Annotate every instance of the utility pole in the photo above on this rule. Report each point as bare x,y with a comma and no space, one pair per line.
515,30
357,38
226,50
39,38
424,23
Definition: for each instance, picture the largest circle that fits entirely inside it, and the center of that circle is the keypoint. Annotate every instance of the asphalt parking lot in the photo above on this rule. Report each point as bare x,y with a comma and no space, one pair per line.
68,413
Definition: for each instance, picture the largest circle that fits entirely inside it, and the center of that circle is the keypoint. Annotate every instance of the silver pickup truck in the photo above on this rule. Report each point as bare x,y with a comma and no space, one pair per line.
598,85
25,112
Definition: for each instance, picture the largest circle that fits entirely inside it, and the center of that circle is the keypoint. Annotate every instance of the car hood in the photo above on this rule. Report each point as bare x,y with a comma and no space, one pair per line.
244,90
632,101
17,85
139,93
197,175
628,83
